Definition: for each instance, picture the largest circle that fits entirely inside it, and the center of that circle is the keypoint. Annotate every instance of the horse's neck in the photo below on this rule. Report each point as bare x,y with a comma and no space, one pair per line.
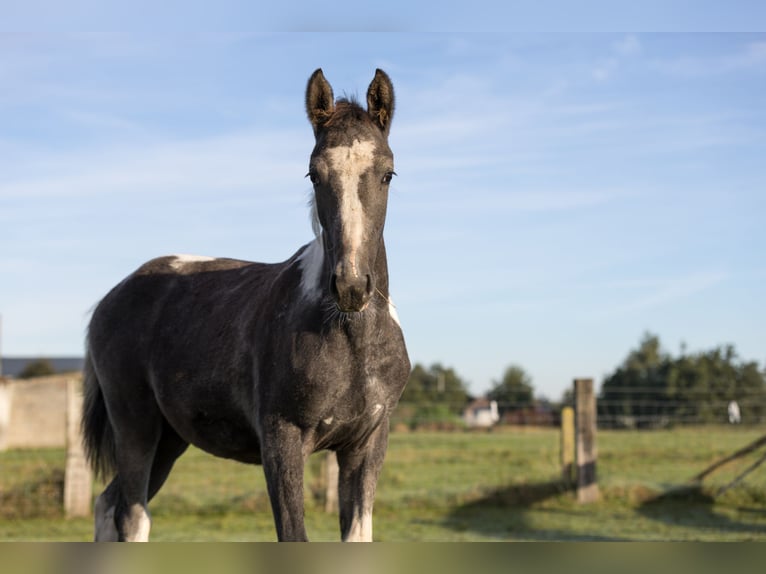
381,270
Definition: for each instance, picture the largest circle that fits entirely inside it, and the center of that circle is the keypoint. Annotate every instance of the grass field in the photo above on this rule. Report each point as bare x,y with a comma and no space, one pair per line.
498,486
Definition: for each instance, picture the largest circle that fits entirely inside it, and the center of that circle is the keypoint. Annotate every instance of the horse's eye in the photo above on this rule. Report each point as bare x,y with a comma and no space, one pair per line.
313,176
388,177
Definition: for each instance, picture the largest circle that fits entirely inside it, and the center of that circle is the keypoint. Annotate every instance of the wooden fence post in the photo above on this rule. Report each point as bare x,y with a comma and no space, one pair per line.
567,445
331,482
78,479
585,420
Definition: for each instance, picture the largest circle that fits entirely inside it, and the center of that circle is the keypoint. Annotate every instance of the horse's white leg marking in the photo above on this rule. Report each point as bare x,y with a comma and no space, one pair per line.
106,530
311,262
143,526
361,528
349,163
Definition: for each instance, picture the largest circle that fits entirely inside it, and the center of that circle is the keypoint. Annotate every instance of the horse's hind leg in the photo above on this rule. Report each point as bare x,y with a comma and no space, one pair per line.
171,446
134,470
137,427
105,507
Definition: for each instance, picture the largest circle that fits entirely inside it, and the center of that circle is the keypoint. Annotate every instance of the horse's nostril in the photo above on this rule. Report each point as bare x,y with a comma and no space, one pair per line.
352,292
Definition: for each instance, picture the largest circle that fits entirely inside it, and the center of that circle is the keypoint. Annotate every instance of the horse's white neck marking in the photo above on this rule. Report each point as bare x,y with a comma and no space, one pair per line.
311,262
349,163
182,261
392,312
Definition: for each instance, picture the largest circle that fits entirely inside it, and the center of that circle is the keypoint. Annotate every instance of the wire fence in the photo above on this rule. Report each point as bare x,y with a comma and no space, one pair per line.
636,408
646,407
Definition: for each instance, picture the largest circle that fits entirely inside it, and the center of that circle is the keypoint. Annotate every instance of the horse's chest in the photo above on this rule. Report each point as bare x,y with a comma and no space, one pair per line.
340,396
336,383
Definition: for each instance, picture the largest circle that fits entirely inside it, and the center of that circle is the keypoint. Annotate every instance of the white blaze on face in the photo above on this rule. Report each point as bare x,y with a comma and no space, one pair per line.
349,163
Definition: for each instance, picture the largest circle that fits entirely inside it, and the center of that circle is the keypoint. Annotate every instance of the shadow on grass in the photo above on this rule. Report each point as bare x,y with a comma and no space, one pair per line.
692,506
504,514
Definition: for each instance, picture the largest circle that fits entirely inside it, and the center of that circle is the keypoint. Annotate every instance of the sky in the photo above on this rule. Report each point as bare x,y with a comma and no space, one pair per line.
558,194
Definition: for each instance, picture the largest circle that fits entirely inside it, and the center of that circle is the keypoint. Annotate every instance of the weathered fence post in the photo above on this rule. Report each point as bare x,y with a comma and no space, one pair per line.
77,478
585,420
567,445
331,482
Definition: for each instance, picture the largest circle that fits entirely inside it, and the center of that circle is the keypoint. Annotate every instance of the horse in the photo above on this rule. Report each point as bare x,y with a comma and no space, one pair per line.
263,363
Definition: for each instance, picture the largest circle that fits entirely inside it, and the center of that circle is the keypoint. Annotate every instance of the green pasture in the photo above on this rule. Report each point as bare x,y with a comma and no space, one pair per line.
489,486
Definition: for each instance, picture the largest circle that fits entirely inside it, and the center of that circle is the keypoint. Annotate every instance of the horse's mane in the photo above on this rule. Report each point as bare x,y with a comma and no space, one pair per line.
347,109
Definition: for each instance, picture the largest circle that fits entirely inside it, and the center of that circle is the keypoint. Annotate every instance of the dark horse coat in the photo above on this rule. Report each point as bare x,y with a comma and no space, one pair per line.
261,363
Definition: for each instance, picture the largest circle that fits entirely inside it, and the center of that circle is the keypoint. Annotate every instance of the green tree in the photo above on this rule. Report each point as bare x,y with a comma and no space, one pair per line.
650,387
514,391
37,368
636,392
703,384
436,394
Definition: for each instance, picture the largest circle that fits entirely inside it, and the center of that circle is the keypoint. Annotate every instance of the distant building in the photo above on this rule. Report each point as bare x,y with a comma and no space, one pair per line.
535,415
12,366
481,413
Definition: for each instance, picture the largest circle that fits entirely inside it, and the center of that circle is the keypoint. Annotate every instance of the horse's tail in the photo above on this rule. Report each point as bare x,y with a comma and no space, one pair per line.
98,435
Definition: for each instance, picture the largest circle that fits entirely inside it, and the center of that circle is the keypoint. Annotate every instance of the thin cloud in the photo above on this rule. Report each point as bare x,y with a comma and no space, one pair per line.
215,164
604,71
436,199
645,294
628,46
750,56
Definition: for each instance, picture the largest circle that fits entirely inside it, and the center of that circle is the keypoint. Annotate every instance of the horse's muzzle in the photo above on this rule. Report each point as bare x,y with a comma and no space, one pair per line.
352,292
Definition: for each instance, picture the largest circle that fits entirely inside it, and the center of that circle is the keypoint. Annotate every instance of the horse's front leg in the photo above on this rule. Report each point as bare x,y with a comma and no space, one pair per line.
282,457
357,479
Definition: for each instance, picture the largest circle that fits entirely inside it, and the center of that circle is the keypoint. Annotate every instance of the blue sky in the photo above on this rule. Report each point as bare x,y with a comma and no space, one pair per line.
558,194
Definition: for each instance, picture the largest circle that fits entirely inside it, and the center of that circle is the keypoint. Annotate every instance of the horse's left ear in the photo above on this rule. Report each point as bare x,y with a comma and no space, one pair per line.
380,100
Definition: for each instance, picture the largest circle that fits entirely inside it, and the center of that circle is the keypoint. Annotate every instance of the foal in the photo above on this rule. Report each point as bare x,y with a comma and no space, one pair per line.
261,363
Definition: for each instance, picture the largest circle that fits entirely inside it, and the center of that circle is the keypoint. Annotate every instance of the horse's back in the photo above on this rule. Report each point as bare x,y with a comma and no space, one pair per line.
171,332
134,309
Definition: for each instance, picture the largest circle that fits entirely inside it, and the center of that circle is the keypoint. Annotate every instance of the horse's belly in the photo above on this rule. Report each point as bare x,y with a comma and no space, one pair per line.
226,440
227,435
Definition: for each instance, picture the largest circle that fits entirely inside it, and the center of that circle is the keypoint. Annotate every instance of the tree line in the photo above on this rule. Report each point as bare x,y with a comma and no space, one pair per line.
650,388
654,388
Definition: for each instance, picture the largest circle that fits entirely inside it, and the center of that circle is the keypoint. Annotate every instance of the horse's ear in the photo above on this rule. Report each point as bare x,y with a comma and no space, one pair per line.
319,100
380,100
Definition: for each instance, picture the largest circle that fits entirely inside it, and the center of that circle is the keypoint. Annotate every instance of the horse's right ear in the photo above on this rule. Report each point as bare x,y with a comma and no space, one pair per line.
320,103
